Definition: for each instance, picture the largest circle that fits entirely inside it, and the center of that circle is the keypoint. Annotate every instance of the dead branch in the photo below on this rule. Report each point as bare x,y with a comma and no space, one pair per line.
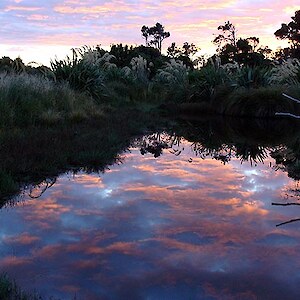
287,222
291,98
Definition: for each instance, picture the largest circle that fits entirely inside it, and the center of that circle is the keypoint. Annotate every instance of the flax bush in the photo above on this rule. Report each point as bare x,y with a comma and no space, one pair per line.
207,81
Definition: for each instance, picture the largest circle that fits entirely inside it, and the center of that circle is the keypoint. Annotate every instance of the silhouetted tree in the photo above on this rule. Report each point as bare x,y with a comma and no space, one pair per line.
189,49
145,34
173,51
155,35
291,32
228,36
241,50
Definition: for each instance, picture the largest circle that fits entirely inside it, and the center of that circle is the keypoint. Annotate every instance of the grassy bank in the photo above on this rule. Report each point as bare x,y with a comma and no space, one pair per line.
77,89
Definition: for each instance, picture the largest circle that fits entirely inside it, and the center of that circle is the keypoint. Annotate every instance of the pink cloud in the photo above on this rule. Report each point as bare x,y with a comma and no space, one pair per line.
21,8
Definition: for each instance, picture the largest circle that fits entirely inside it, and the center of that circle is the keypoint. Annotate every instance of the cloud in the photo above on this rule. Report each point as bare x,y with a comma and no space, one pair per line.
74,23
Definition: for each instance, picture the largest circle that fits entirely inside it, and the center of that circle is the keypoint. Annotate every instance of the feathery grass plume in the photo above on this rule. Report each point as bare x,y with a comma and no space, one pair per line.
85,71
131,83
139,69
173,72
286,72
102,61
173,82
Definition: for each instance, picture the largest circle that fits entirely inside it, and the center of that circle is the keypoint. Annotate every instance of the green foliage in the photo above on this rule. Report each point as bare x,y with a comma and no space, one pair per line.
28,100
262,102
85,71
252,77
205,82
291,32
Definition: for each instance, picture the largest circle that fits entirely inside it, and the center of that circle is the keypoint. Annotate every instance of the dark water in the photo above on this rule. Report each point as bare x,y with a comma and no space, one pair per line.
174,223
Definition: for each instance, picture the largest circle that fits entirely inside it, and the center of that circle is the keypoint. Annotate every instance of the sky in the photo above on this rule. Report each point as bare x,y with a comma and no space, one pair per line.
39,30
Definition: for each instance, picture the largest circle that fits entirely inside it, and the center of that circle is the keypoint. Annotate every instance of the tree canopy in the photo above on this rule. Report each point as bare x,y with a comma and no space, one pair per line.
154,35
242,50
291,32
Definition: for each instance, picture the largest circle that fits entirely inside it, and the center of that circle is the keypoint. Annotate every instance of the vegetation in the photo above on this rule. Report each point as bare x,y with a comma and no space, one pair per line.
155,35
291,32
31,155
95,88
84,110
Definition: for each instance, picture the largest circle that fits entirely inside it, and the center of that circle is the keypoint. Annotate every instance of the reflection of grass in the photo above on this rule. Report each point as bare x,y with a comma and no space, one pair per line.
34,154
10,291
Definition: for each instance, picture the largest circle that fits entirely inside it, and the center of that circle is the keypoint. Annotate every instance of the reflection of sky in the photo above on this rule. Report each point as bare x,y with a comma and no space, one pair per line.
157,229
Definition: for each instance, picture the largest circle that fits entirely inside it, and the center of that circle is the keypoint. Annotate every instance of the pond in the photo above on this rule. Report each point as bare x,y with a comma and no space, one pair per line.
173,219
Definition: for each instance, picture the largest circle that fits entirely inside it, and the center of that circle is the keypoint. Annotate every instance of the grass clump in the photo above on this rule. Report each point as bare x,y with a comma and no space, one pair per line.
27,100
257,102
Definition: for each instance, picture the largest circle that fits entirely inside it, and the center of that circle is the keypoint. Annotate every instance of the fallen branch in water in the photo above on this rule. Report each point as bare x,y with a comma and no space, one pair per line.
291,98
287,222
285,204
288,114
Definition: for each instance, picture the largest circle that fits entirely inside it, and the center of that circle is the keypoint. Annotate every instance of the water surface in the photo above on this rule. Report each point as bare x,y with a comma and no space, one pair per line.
171,224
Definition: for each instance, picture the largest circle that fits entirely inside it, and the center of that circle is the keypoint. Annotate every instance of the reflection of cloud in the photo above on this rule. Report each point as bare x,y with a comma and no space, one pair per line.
23,239
155,227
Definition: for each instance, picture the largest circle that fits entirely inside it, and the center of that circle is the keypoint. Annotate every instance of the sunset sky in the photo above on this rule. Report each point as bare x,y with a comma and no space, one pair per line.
39,30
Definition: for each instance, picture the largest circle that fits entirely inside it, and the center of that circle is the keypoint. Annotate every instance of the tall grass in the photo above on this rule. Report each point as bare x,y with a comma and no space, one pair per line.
255,102
30,100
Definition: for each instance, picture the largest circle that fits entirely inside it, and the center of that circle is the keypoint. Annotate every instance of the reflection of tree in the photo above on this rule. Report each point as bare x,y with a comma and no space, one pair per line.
288,159
293,193
36,191
287,222
251,153
155,143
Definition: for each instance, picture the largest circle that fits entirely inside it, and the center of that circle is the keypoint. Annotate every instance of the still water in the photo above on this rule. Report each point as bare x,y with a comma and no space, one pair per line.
169,221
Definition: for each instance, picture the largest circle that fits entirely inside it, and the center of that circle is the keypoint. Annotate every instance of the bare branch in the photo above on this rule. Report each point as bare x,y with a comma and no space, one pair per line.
287,222
291,98
287,114
285,204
